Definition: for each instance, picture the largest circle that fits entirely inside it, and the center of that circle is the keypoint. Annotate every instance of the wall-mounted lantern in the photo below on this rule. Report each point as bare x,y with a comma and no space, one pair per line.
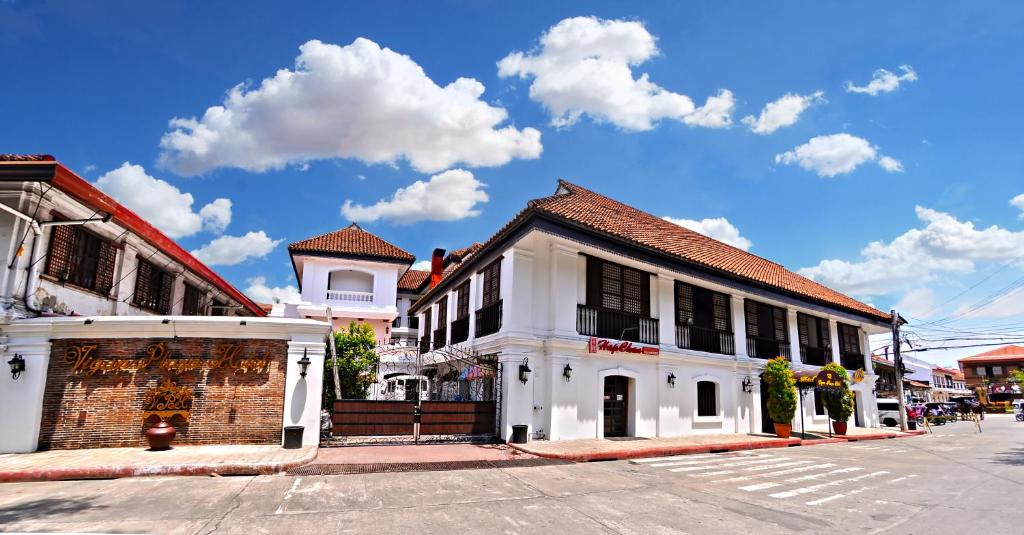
524,370
567,372
304,363
747,385
671,379
17,363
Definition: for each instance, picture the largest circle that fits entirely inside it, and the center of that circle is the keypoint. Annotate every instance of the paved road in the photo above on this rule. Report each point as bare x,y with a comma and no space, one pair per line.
955,481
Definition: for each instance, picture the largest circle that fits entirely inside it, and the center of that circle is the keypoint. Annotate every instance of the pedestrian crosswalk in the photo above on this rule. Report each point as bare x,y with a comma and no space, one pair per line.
811,480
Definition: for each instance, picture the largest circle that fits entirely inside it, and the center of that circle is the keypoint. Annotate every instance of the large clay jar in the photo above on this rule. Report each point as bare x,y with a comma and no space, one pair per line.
839,427
783,430
160,436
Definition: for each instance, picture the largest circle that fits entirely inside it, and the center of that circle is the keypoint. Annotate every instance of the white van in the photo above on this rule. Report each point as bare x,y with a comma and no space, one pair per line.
404,387
889,412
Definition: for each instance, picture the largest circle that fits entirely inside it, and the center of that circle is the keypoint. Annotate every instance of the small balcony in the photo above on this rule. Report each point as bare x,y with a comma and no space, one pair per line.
767,348
440,337
851,361
616,325
424,344
460,330
815,356
704,339
488,319
349,297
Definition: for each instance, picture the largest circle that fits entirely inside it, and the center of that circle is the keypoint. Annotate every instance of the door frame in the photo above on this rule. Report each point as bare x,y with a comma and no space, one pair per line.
632,407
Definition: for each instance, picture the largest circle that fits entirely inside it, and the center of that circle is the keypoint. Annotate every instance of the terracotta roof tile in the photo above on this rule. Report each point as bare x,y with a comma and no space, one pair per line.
413,279
351,240
1001,354
26,158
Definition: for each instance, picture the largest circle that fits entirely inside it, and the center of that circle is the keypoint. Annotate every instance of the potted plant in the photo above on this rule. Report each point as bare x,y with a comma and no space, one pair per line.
839,403
781,395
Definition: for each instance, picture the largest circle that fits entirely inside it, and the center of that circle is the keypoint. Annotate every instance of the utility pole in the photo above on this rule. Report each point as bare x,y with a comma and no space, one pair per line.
899,368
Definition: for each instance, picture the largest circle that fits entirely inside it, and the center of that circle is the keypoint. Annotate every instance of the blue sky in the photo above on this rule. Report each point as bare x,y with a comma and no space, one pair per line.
928,168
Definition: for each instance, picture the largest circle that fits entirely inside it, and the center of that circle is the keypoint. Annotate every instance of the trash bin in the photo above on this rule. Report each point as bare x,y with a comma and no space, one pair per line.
912,425
293,437
519,434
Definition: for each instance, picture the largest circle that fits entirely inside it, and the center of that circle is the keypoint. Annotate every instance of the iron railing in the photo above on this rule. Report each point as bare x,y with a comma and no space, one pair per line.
488,319
592,321
851,361
704,339
767,348
424,344
440,337
460,330
815,356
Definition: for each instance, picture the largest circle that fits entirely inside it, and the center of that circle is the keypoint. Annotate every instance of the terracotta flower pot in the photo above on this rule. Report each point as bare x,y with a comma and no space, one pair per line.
783,430
839,427
160,436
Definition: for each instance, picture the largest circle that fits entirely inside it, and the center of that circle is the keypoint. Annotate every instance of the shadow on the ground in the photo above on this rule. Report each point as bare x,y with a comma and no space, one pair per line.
1013,457
44,508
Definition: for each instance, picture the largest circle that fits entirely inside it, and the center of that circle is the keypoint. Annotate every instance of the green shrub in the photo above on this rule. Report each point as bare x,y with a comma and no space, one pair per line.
781,390
839,403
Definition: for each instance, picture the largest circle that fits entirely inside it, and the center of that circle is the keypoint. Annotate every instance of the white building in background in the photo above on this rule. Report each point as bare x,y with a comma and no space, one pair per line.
352,274
609,321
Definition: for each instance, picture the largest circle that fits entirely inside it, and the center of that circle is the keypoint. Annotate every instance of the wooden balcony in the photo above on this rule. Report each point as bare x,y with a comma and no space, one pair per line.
851,361
488,319
767,348
704,339
440,337
616,325
460,330
815,356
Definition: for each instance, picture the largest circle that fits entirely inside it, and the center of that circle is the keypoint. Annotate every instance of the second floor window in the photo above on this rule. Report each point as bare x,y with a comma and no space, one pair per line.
82,258
705,308
815,341
192,303
491,287
767,330
153,287
614,287
219,308
462,301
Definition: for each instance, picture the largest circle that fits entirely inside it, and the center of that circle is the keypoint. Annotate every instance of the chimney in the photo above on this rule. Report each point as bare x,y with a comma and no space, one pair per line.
436,267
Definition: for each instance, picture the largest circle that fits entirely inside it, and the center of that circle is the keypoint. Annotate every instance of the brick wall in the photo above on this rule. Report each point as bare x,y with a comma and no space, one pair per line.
105,409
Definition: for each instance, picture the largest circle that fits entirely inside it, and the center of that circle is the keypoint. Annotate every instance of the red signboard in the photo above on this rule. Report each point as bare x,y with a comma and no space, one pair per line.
615,346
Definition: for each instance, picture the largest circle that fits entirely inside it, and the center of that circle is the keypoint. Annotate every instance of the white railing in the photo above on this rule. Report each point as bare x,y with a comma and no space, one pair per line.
342,295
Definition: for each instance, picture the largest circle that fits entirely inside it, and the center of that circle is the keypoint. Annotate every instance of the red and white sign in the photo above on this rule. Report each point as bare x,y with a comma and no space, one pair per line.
615,346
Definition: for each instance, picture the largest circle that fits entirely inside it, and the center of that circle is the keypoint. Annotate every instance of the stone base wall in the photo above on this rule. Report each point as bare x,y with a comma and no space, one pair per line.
94,398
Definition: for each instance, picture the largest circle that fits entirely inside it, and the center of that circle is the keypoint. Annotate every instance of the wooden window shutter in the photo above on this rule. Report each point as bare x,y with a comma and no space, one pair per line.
751,314
684,303
803,329
105,268
645,293
166,292
593,282
143,275
62,241
722,307
780,323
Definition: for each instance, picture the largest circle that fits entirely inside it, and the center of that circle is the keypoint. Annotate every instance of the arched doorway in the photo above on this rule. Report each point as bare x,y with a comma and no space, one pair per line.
616,406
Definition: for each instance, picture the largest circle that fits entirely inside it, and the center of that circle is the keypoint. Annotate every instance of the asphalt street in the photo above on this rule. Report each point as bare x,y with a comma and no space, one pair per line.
956,480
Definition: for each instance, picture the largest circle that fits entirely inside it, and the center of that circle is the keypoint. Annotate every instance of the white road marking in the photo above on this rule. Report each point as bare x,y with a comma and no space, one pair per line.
760,486
823,474
837,496
694,456
718,473
777,473
814,488
898,479
724,465
288,495
698,461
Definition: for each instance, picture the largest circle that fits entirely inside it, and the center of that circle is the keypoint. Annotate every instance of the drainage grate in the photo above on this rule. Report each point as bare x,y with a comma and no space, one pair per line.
373,468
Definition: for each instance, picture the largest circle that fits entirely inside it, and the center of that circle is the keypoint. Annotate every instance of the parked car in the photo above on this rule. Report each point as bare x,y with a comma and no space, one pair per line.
889,412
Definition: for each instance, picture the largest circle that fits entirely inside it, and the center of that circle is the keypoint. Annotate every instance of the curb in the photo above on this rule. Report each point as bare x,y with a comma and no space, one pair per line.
117,472
659,451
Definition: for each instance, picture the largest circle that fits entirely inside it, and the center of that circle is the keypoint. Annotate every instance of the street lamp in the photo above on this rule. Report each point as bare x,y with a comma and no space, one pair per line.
747,385
524,370
304,363
17,363
567,372
671,379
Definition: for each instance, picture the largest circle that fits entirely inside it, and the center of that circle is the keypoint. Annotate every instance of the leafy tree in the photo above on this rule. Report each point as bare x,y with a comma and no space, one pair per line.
355,363
781,390
1017,376
840,403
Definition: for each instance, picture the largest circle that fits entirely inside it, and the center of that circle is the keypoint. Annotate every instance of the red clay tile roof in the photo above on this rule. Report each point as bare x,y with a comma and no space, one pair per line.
351,240
412,279
459,255
27,158
581,206
1005,353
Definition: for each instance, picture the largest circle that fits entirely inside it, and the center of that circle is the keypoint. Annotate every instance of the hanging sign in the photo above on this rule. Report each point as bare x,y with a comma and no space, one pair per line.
828,380
858,376
617,346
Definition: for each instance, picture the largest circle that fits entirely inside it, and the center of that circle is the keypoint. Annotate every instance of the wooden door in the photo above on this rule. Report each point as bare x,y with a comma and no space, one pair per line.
616,406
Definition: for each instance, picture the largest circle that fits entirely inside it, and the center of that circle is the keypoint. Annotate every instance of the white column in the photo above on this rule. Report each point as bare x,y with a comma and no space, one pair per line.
666,310
563,289
302,394
21,400
739,326
517,397
474,303
865,345
794,336
833,335
563,402
516,295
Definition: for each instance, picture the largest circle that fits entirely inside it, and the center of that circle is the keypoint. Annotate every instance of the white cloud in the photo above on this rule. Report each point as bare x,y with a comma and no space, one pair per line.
836,154
1010,304
447,196
163,205
216,215
357,101
584,65
718,228
783,112
231,250
884,81
943,246
261,293
422,265
1018,202
918,302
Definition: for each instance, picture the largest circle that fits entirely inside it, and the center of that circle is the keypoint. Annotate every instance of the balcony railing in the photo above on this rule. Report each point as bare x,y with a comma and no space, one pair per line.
767,348
851,361
815,356
440,337
616,325
460,330
352,297
704,339
424,344
488,319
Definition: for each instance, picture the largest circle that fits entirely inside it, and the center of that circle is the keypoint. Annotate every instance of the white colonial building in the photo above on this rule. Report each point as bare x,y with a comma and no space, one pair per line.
608,321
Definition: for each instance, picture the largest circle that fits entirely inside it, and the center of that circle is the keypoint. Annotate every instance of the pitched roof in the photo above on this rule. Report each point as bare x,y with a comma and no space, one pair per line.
1005,353
351,240
412,279
27,158
578,205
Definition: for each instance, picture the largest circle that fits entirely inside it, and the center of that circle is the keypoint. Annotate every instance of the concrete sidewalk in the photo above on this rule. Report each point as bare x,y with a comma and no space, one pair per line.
107,463
601,449
424,453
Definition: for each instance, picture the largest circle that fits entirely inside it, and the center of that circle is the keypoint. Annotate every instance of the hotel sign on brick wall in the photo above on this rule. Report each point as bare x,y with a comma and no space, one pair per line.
89,359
